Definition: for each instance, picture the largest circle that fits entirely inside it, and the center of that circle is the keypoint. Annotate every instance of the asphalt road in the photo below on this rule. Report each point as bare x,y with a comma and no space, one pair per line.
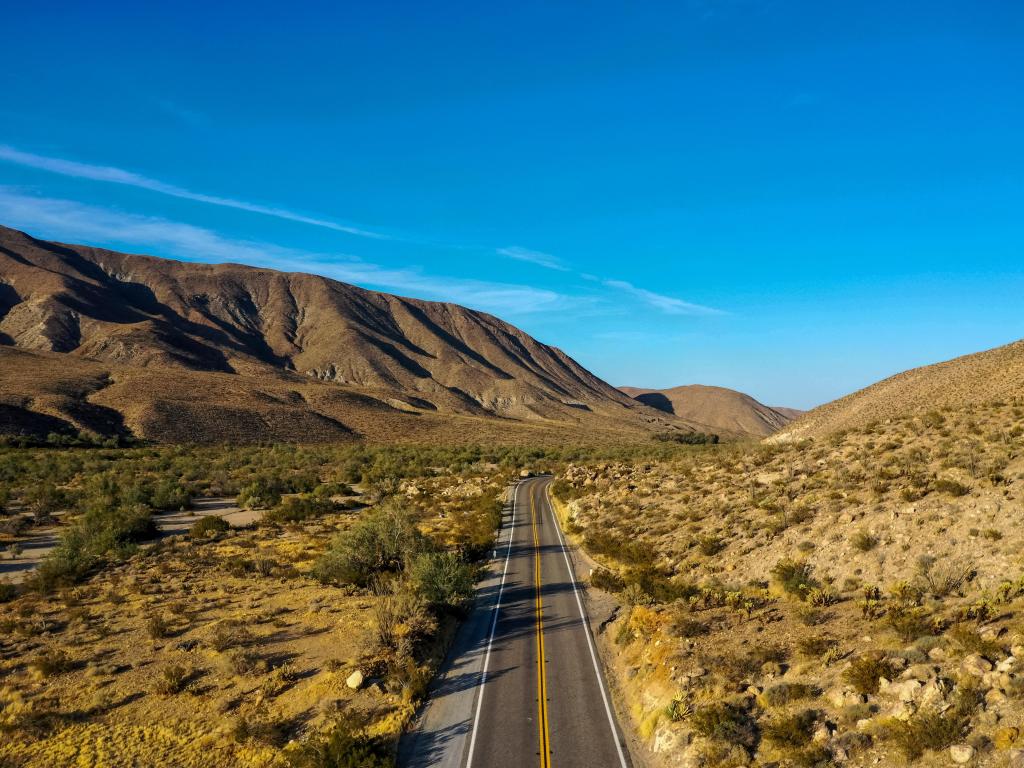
523,684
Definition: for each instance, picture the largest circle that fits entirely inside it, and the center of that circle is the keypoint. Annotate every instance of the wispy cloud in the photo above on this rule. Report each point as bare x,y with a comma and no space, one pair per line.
533,257
69,219
184,115
115,175
667,304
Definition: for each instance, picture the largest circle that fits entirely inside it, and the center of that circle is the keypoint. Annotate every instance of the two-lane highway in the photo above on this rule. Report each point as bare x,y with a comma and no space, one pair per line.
523,684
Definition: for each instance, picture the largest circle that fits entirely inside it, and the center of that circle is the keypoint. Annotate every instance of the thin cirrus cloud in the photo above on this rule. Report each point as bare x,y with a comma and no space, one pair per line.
211,246
71,219
667,304
533,257
115,175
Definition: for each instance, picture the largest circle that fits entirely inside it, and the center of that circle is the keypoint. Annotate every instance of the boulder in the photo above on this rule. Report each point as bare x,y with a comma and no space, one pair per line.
355,680
976,665
1005,737
961,754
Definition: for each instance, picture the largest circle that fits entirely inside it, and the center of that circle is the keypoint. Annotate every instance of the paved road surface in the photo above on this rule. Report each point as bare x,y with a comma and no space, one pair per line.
522,686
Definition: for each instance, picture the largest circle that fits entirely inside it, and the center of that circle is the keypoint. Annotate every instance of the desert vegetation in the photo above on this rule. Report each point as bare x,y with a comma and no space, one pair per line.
855,600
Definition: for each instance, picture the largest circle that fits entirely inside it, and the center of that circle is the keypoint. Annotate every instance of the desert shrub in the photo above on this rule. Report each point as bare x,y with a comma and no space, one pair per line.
661,587
102,532
790,731
622,548
908,622
157,626
171,680
346,746
609,581
263,728
261,493
710,545
443,579
170,494
296,509
786,693
635,595
687,627
404,621
686,438
815,647
564,490
7,591
970,640
865,671
863,541
932,729
794,577
944,578
951,487
50,662
406,678
244,661
383,541
228,634
724,721
206,527
822,597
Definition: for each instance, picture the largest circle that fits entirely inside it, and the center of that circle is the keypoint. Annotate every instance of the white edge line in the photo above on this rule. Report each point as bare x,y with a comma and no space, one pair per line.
494,626
586,631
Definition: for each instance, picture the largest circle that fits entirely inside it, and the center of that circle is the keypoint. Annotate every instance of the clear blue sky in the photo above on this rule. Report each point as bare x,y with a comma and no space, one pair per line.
790,198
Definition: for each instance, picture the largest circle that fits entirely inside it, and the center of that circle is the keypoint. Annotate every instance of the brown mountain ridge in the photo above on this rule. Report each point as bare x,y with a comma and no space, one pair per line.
965,382
718,410
167,349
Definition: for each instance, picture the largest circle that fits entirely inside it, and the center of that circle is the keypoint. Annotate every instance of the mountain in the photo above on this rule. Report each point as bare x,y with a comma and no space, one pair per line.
715,409
165,349
980,379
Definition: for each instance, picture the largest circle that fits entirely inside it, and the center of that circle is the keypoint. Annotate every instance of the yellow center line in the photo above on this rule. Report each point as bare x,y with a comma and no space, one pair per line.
542,677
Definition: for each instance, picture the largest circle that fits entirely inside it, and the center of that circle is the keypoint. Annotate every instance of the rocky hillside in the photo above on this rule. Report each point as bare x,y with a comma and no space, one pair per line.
719,410
244,346
854,601
996,374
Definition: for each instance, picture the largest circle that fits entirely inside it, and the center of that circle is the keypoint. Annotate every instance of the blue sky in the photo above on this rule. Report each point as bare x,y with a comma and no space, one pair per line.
794,199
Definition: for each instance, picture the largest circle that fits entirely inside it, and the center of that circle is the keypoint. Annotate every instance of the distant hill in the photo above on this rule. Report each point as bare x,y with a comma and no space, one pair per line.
716,409
972,380
174,350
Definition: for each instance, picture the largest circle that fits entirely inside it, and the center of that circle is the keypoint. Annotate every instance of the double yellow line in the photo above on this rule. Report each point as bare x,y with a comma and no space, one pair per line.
542,677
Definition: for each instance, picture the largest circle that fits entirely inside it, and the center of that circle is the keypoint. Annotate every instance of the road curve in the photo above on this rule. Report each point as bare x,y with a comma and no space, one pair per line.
522,685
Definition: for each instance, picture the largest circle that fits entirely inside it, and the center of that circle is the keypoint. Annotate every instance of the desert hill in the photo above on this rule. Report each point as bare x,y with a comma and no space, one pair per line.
971,380
167,350
717,409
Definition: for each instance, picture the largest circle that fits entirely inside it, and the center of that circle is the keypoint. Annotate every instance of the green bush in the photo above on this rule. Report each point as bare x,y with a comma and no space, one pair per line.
385,540
790,731
865,672
296,509
347,746
609,581
261,493
795,577
687,438
863,541
443,579
952,487
99,534
208,526
725,722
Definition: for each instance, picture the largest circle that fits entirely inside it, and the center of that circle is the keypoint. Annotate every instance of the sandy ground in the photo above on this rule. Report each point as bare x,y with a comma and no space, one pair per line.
41,541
